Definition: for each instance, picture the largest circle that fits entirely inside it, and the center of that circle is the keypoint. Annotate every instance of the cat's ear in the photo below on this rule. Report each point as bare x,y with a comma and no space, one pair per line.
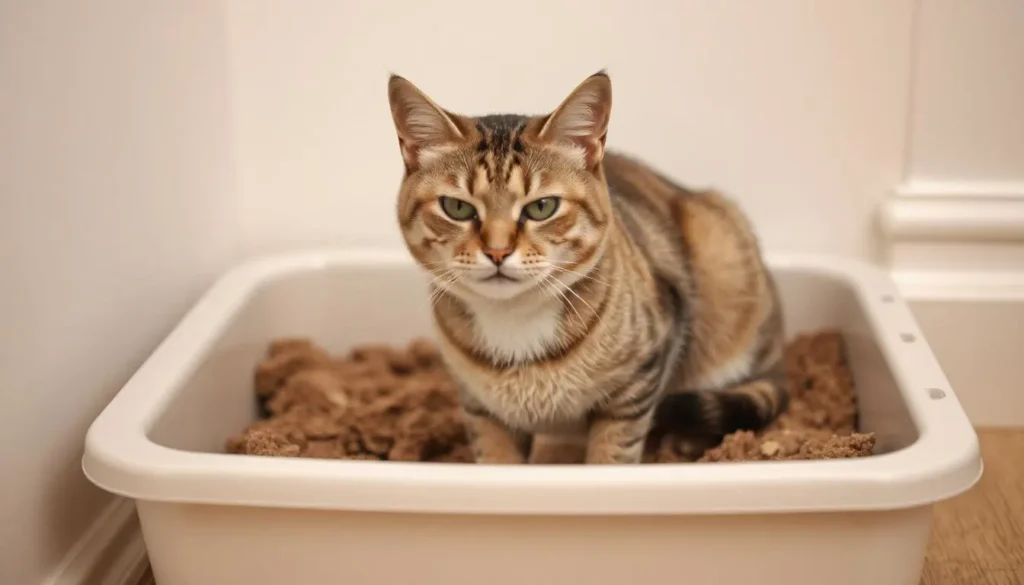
424,129
581,120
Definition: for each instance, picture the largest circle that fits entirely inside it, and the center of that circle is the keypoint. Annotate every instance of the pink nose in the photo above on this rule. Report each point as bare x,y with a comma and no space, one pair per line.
497,256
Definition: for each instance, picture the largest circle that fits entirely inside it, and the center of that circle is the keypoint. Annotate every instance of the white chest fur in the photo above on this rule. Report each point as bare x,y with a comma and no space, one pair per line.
530,397
517,331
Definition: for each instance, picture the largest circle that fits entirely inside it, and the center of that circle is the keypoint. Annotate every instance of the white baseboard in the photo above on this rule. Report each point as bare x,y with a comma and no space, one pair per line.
952,211
111,552
978,344
956,240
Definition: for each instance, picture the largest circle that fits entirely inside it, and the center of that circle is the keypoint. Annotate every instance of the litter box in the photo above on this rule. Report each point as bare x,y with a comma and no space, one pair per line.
210,518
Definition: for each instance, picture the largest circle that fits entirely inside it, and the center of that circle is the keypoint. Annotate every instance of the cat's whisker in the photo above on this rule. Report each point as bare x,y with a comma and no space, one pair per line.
444,288
582,300
441,284
438,281
580,274
436,297
441,271
547,288
439,277
436,275
562,341
569,302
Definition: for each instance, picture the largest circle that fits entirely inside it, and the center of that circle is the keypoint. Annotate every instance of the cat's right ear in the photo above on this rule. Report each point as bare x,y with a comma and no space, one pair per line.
424,129
581,121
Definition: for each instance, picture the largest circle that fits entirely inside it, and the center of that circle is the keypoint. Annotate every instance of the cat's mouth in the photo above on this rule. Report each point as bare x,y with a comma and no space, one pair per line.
499,286
499,277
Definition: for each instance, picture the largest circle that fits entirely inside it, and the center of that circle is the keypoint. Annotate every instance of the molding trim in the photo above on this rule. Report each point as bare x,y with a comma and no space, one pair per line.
111,552
954,211
960,286
961,189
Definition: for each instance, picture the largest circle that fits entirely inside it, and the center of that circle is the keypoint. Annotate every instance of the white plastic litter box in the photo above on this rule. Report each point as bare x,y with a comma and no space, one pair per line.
210,518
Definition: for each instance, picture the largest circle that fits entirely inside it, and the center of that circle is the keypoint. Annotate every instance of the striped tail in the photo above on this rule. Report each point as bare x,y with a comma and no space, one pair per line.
708,416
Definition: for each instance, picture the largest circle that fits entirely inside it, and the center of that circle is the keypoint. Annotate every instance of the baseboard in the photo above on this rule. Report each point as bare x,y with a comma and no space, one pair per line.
977,343
111,552
955,240
955,211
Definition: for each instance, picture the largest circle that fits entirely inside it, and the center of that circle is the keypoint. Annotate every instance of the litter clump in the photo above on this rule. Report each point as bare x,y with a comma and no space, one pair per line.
382,402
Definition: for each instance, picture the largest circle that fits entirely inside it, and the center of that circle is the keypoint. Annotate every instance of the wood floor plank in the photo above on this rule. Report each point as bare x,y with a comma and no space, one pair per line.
978,537
969,574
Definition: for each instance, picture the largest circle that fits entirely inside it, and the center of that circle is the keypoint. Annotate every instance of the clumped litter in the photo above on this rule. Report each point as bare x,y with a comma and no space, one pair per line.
382,402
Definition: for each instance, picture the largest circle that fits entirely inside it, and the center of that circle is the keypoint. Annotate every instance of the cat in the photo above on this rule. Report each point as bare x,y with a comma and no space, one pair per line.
579,293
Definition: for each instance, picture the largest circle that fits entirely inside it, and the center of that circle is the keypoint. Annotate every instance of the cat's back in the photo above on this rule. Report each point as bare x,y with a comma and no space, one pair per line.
634,184
665,218
704,244
636,189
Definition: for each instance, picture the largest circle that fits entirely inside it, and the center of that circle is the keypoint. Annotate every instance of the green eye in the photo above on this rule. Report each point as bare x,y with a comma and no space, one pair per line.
457,209
541,209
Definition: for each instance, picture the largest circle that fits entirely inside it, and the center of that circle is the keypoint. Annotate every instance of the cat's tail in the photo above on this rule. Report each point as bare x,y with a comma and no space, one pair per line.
750,404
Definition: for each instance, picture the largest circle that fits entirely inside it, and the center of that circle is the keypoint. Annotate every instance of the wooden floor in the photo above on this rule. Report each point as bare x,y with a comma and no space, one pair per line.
978,537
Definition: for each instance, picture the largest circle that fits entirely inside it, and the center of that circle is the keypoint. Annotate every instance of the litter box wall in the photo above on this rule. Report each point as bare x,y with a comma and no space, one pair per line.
211,518
225,545
218,399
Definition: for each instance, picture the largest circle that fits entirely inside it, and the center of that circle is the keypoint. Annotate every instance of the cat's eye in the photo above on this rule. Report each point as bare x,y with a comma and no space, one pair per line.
541,209
457,209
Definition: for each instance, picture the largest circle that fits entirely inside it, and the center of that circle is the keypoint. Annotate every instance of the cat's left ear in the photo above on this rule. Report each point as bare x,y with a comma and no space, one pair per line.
581,120
424,129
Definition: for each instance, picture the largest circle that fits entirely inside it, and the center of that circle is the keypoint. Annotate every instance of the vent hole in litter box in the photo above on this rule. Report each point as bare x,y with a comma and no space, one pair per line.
907,337
936,393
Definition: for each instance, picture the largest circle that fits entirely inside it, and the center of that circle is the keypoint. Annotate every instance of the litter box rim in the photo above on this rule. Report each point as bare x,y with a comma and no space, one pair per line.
121,459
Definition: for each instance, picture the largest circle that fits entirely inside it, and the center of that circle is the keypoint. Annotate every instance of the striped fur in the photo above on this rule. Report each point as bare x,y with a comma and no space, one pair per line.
637,311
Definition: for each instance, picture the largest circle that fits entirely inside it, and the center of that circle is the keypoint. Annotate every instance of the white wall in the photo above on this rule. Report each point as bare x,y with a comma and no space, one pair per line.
116,209
968,92
797,107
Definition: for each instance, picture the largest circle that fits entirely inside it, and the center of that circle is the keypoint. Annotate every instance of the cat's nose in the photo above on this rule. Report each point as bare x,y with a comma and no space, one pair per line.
497,255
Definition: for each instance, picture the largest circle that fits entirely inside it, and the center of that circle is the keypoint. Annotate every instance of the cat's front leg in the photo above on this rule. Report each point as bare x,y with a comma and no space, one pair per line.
618,430
491,440
617,441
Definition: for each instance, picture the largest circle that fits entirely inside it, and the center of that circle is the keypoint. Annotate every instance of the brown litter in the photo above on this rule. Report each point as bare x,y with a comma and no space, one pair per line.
399,404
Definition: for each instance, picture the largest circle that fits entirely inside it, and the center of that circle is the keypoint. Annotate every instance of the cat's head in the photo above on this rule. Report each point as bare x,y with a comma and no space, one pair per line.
497,206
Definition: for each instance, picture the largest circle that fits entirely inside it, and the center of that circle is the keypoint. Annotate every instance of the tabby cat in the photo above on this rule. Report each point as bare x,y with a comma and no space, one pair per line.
578,293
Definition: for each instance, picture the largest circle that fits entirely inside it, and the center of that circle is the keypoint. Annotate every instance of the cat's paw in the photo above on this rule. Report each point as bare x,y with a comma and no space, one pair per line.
681,448
504,458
